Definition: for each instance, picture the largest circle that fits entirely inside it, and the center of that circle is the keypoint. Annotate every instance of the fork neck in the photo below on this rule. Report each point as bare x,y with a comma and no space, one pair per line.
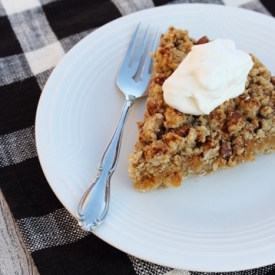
130,99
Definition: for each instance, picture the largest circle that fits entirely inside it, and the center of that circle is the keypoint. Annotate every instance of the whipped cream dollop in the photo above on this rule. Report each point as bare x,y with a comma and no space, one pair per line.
210,74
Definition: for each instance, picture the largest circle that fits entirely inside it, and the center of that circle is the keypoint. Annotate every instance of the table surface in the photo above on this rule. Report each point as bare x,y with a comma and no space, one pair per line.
14,257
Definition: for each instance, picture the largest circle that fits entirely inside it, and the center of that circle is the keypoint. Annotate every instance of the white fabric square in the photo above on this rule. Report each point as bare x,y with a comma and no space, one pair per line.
45,58
216,2
127,7
236,3
2,10
16,6
32,29
56,228
144,267
45,2
178,272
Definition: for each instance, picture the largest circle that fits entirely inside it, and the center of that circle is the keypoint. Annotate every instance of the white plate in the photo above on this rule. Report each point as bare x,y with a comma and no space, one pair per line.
222,222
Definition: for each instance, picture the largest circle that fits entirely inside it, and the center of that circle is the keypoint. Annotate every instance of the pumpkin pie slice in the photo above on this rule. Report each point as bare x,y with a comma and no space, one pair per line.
173,146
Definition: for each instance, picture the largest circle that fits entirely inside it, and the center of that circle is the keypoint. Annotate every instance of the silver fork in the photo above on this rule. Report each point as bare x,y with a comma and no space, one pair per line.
94,204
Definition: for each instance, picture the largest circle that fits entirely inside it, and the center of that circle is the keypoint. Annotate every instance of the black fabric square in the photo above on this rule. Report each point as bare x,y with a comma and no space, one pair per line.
270,5
89,255
18,104
265,270
83,14
32,29
272,272
9,44
26,190
163,2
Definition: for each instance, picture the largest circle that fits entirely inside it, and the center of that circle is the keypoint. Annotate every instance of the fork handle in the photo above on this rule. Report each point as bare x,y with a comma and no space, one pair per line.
94,204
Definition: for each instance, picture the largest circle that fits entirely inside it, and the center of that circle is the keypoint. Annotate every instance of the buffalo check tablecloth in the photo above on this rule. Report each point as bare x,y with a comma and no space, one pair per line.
34,36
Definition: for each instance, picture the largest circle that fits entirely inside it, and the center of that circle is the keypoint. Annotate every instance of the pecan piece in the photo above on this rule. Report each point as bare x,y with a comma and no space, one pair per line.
225,149
183,130
202,40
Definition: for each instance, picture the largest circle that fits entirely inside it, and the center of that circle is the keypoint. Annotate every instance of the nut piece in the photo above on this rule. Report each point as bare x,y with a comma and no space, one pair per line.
183,130
202,40
225,149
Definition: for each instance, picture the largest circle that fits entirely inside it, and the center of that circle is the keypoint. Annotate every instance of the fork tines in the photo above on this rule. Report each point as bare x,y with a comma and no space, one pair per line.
134,65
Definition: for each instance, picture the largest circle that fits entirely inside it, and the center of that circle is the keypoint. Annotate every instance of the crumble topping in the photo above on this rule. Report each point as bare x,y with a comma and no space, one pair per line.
173,146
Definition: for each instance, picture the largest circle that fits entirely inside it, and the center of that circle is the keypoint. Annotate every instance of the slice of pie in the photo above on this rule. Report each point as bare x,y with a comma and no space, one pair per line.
173,146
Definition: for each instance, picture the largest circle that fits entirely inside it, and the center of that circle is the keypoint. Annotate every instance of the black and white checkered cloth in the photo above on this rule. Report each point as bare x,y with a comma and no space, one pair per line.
34,36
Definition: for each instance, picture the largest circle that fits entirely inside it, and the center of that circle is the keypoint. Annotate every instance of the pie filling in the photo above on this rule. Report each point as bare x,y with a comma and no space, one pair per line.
173,146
